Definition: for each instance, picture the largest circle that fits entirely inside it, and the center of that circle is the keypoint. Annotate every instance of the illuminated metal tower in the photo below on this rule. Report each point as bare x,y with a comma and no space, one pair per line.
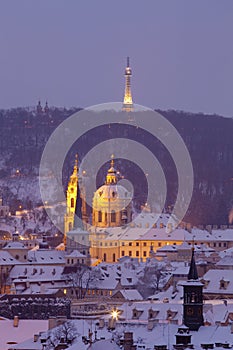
128,101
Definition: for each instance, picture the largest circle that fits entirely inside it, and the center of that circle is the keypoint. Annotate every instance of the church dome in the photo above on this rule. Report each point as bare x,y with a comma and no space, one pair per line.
113,192
111,202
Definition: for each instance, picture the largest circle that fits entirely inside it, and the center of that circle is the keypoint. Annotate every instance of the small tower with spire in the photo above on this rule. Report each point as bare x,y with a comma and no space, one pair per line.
46,108
39,108
193,298
128,101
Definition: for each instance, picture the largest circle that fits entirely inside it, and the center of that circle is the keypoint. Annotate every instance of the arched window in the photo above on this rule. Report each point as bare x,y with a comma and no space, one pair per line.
72,202
105,257
113,216
100,216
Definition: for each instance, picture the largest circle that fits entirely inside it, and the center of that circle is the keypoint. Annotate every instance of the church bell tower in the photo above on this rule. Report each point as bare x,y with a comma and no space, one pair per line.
71,199
193,298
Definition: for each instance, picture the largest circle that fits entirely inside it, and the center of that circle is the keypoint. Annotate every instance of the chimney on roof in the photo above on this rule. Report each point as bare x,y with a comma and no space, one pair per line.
62,344
16,321
128,341
36,337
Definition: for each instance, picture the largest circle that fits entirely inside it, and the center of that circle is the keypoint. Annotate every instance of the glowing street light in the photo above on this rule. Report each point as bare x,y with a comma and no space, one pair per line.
112,320
115,314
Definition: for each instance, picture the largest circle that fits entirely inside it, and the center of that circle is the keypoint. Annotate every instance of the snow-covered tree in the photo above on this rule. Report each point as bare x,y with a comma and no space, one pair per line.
81,277
68,331
152,275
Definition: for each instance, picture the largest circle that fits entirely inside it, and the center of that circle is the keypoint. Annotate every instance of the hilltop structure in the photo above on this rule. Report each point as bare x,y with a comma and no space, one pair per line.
128,101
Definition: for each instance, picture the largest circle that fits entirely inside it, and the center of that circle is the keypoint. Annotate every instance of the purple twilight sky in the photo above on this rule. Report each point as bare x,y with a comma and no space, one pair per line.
73,53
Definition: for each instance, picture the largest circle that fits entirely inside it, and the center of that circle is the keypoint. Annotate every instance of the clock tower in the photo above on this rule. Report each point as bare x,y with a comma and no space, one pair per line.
193,298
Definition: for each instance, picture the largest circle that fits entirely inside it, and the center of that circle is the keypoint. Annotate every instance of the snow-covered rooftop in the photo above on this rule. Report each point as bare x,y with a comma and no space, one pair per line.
25,330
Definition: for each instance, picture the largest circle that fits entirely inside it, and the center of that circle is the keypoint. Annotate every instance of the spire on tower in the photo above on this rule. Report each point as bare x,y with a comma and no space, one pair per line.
193,275
46,108
75,170
78,223
128,101
112,160
76,161
39,108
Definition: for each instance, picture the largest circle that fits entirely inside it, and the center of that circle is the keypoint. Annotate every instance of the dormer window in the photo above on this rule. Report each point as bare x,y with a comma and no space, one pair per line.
152,313
136,313
223,283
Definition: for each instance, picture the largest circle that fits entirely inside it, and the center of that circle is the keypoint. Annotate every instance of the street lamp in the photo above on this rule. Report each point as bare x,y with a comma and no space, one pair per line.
115,314
113,319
